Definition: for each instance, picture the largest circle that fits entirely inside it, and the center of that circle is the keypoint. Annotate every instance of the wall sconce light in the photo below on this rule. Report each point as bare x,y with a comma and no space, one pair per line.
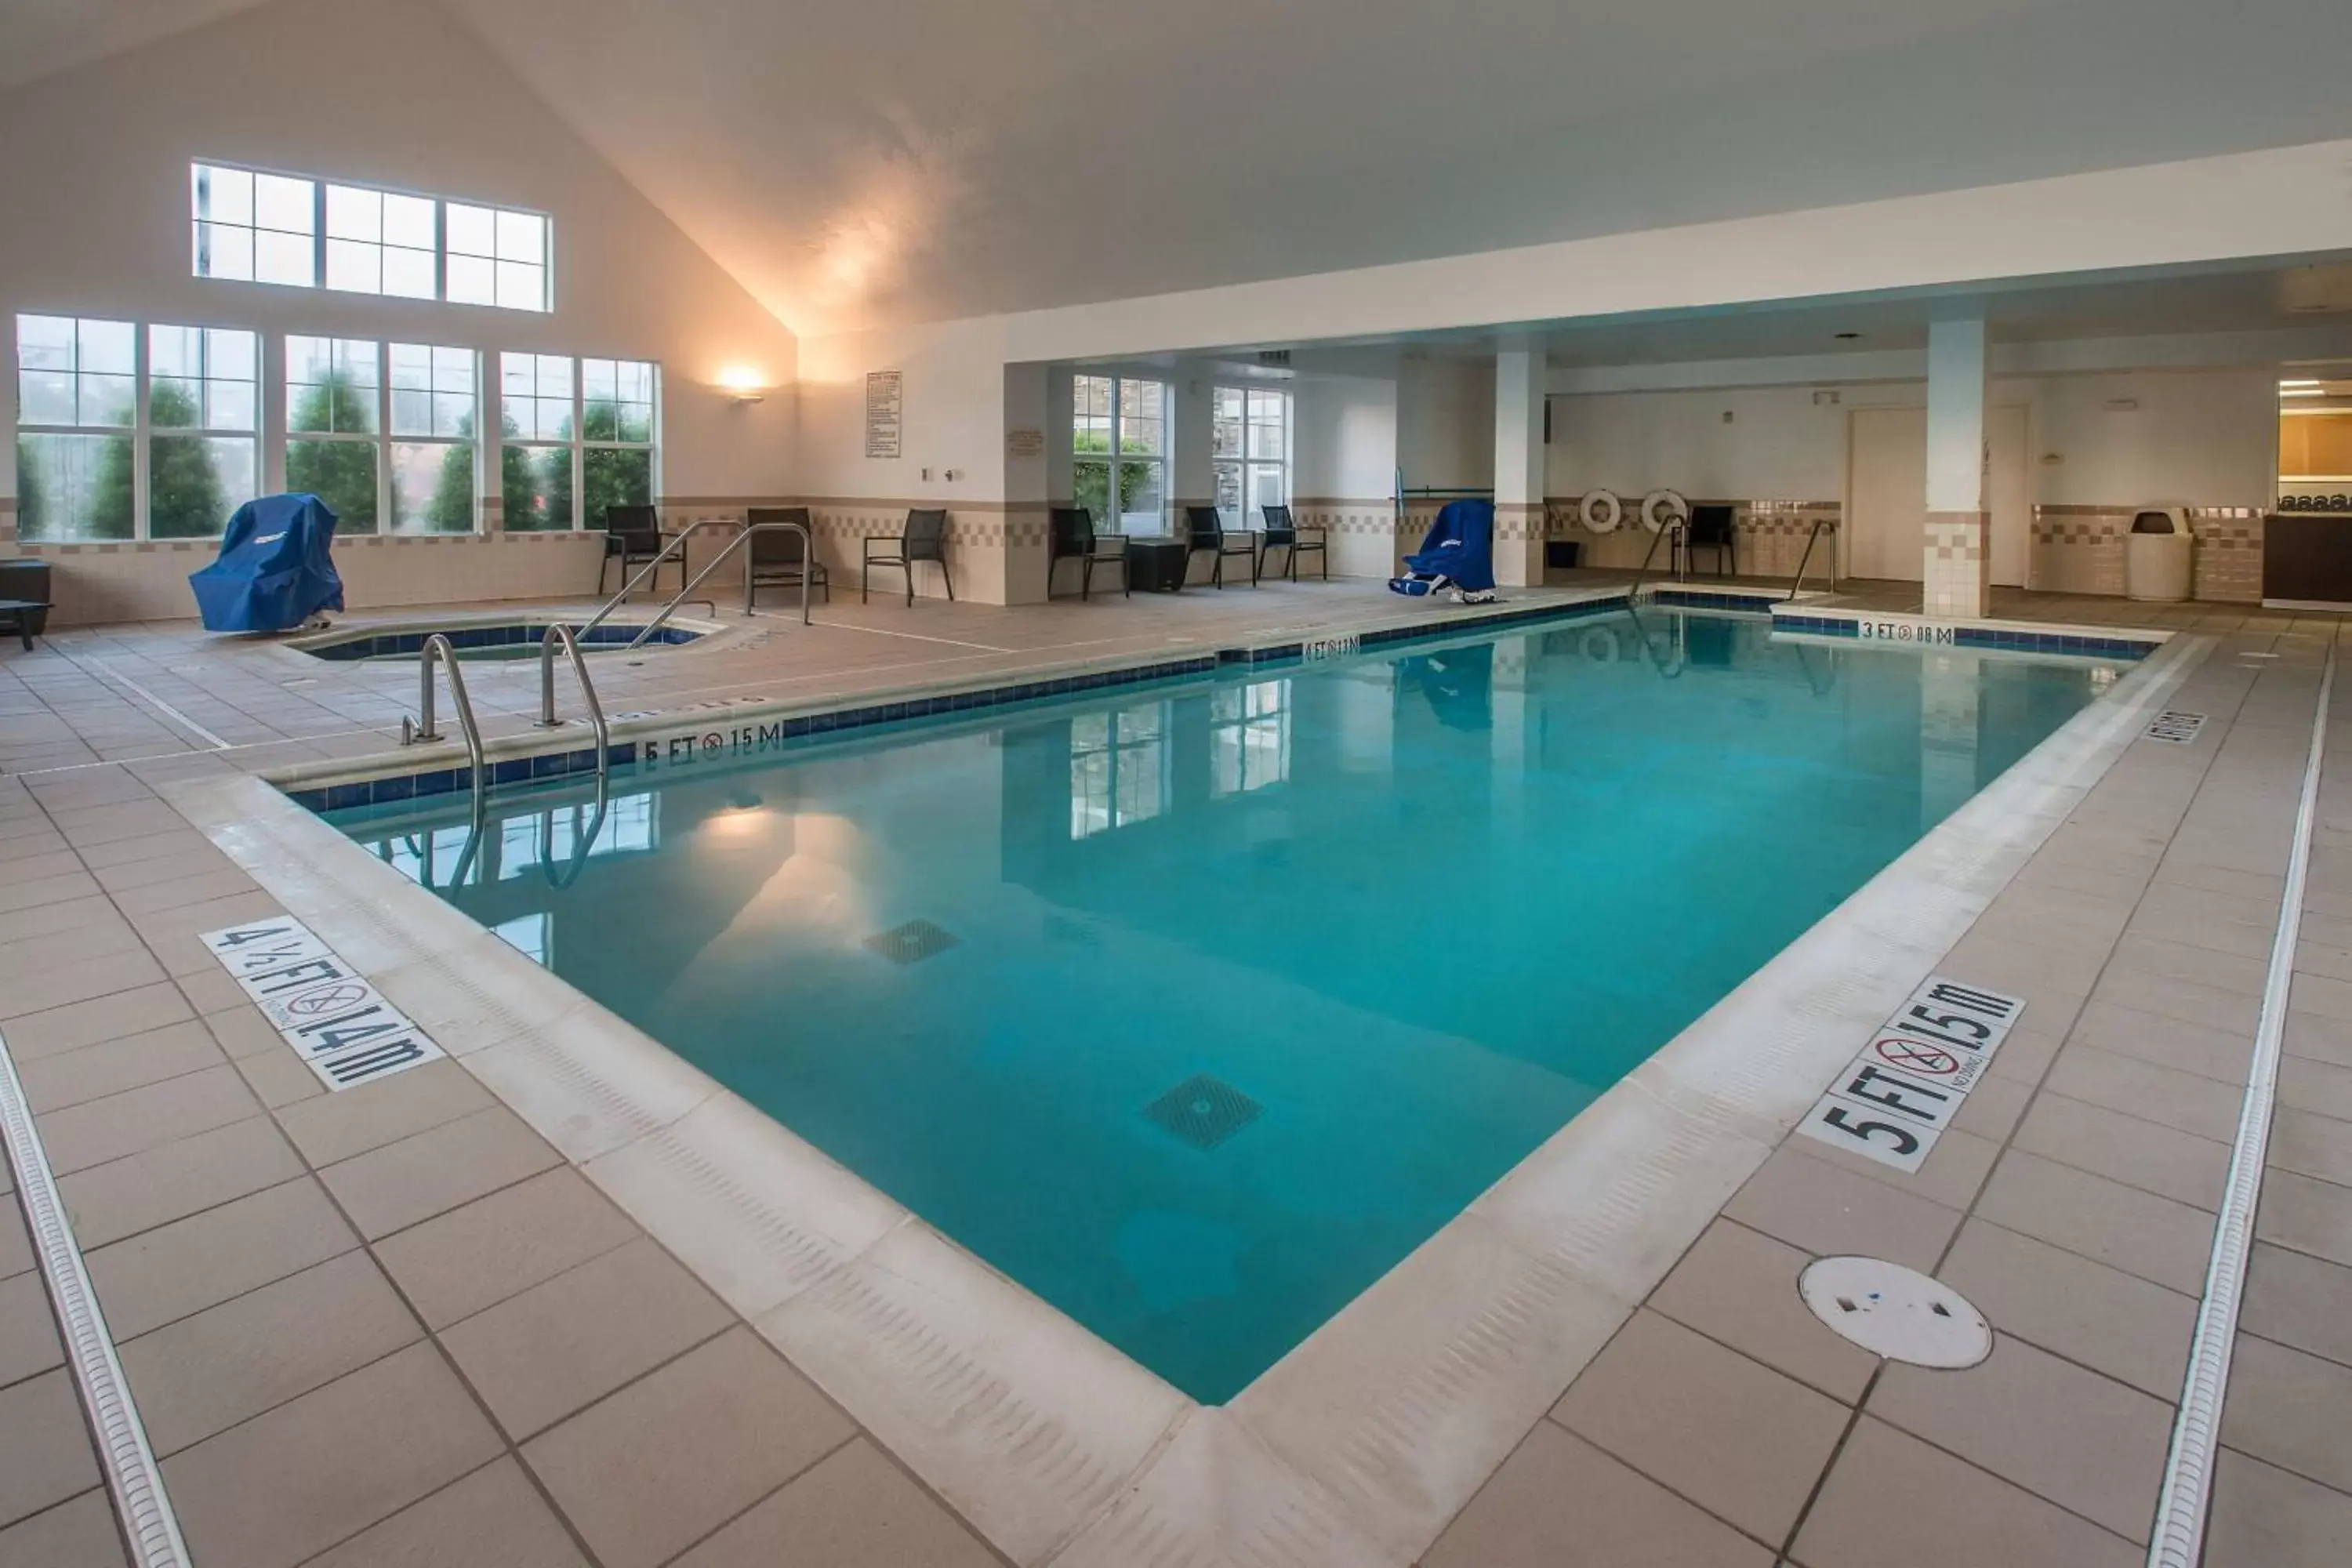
743,384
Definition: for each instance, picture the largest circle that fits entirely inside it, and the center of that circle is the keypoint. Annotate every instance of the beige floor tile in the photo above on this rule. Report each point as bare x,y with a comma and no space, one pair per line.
2122,1227
2242,973
316,1470
2311,1145
2114,1323
2289,1409
537,1357
2085,1442
1889,1492
1739,1286
123,1197
387,1189
2265,1516
179,892
856,1507
1993,1107
243,1032
15,1242
44,1449
2217,1054
2144,1154
1731,1434
210,991
338,1126
279,1079
180,839
28,1332
2322,1039
63,982
2174,996
2152,1093
1812,1204
93,1072
35,1035
2327,998
2025,1057
158,869
2306,1215
2318,1086
206,1372
1952,1173
79,1533
56,919
649,1472
454,1266
494,1517
179,1269
2299,1300
40,880
138,1120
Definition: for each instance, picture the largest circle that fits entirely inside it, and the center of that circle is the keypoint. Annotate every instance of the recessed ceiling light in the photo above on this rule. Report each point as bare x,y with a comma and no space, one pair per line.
1848,337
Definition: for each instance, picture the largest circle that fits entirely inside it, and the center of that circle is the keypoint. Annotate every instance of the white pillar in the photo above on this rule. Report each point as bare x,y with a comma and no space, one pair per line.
1957,576
1016,575
1519,379
1191,476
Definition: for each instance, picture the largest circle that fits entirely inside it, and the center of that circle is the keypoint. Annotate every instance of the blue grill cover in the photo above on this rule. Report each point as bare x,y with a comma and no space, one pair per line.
275,570
1460,548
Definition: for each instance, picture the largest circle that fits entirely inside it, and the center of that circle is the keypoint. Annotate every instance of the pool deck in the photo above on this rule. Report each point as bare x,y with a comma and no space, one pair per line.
397,1325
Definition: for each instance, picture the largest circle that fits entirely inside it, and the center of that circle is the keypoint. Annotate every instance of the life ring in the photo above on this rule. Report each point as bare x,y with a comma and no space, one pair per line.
1661,506
1602,512
1599,646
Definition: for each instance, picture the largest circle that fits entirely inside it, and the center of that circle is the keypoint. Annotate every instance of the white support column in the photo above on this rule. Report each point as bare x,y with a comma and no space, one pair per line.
1519,376
1019,568
1192,474
1956,575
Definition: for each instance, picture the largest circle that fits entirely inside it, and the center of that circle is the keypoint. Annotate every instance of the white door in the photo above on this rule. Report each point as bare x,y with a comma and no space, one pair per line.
2007,495
1886,494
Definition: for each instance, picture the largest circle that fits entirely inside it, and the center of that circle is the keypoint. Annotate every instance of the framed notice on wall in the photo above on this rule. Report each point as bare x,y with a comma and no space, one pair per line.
1024,443
885,402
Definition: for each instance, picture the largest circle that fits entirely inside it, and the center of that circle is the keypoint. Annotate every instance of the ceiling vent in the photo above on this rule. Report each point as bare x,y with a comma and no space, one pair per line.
1279,358
2315,290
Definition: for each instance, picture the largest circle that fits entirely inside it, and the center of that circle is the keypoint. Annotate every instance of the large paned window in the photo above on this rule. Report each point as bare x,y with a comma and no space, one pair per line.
1249,440
575,428
1118,452
258,227
203,415
333,426
430,455
76,414
1120,768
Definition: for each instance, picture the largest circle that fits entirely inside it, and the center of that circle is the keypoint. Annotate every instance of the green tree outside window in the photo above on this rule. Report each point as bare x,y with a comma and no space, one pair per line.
341,473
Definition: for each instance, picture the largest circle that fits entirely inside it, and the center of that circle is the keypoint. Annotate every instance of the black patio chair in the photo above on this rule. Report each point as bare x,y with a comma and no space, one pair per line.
1209,534
1283,534
779,557
924,538
1710,529
1075,539
634,534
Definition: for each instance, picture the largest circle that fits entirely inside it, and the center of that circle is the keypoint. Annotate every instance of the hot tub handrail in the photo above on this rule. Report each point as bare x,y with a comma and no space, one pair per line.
437,648
676,547
561,636
808,556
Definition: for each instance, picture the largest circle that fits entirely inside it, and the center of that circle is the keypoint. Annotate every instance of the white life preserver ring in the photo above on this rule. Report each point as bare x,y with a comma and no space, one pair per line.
1661,506
1602,512
1599,646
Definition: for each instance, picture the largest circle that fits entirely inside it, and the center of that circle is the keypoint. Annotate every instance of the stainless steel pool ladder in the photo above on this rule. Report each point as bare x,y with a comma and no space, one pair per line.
561,636
1797,585
675,549
437,649
1677,554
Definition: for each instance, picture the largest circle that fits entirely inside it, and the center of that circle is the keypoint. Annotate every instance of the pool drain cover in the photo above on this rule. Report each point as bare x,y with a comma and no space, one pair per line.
911,942
1204,1112
1896,1312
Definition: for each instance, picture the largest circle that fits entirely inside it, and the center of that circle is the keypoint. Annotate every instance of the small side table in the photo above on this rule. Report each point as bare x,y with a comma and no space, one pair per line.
1158,565
24,617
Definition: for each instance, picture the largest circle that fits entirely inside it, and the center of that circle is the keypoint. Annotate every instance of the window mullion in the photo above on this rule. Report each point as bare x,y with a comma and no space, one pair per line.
141,419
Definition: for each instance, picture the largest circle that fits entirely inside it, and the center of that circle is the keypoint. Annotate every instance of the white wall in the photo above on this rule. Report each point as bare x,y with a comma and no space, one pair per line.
1344,445
1445,424
387,92
2202,438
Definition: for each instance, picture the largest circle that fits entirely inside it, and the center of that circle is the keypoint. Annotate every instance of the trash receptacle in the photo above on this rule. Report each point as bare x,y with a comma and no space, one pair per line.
2156,554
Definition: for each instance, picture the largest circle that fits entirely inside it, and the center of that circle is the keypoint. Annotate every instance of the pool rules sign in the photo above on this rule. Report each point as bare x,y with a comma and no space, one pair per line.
1894,1100
336,1021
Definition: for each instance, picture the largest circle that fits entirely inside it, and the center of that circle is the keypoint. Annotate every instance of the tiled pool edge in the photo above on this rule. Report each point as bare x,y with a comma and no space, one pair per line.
1365,1441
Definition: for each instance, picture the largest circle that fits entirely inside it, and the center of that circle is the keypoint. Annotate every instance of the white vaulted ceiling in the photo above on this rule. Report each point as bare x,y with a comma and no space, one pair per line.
902,160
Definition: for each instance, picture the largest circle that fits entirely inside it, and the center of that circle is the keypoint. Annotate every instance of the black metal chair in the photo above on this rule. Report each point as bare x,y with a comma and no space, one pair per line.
1075,539
779,558
1284,533
1208,532
924,538
1710,529
634,534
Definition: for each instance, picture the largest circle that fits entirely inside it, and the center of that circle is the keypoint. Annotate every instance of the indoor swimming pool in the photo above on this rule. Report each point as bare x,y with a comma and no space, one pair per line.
1194,1006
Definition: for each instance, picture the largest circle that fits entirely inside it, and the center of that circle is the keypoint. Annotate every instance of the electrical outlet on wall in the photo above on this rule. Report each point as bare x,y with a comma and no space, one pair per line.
926,476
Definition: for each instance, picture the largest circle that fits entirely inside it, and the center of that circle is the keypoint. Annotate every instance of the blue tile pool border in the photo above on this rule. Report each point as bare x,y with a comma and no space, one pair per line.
2079,645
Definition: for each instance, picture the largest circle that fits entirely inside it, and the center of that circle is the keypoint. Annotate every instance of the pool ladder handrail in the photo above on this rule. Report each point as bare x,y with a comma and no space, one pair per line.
437,648
1678,554
561,636
1797,584
675,549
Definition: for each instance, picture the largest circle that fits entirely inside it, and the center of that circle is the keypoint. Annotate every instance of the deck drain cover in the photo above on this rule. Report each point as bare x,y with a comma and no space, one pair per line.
2175,727
911,942
1204,1112
1896,1312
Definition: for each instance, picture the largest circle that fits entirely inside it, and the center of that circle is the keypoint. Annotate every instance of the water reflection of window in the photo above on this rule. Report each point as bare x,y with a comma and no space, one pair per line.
1118,768
1249,737
552,836
434,859
528,935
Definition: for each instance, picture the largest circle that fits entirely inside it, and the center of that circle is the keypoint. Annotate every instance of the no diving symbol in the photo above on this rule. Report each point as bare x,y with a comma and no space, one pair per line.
327,999
1916,1056
712,742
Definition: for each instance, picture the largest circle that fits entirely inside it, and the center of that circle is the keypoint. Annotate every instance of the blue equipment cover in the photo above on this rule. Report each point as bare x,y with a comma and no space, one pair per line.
1460,548
274,571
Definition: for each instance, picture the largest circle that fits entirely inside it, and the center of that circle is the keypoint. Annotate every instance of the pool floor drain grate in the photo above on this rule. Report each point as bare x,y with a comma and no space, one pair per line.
1896,1312
1204,1112
912,942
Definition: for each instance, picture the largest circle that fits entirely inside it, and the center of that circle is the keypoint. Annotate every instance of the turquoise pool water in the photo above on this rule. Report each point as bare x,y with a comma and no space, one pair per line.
1195,1008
